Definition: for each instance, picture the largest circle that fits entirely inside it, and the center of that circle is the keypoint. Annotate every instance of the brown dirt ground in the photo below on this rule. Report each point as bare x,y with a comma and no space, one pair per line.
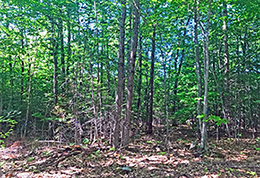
147,156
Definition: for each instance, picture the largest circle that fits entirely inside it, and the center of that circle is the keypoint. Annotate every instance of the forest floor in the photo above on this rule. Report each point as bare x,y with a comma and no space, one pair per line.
146,157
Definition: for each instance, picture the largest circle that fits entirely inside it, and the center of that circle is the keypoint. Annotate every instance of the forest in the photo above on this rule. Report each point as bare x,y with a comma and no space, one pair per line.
129,88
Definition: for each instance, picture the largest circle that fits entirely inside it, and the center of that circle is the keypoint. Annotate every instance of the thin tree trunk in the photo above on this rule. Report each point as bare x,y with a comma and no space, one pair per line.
93,104
22,78
140,78
166,111
198,66
126,126
203,144
226,65
146,98
68,45
107,68
29,100
128,54
98,104
62,58
120,88
55,65
175,90
150,121
11,84
2,89
179,68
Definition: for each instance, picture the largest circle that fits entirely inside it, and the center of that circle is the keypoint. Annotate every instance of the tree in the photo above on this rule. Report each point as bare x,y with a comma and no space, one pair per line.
63,67
198,66
226,64
126,125
150,121
120,85
203,144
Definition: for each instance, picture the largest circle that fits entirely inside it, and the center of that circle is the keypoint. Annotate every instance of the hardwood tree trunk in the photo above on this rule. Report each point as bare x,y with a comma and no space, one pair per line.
62,58
198,66
150,121
203,144
126,125
179,68
120,85
55,64
226,65
140,79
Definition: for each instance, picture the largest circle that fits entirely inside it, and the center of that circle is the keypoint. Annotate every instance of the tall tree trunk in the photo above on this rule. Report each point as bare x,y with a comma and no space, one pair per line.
98,104
120,85
55,64
226,65
198,66
11,84
126,126
2,88
150,121
140,78
166,111
68,44
93,103
146,97
62,58
128,51
28,99
107,67
203,144
179,68
175,90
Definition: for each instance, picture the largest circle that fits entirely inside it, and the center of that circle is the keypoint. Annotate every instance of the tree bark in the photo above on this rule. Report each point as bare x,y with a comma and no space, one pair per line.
150,121
120,85
126,126
166,111
68,44
198,66
55,64
62,58
179,68
203,144
140,79
226,65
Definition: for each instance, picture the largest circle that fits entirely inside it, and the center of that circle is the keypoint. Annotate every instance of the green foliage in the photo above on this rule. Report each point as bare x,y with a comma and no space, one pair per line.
258,140
162,153
34,33
252,173
46,153
86,141
30,159
9,125
216,119
112,149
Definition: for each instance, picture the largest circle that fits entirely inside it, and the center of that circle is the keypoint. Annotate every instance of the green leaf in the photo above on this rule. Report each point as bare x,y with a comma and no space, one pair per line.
112,149
201,116
86,141
30,159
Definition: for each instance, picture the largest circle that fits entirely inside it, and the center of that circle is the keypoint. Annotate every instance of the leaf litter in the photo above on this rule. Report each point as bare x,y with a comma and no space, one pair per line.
147,156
